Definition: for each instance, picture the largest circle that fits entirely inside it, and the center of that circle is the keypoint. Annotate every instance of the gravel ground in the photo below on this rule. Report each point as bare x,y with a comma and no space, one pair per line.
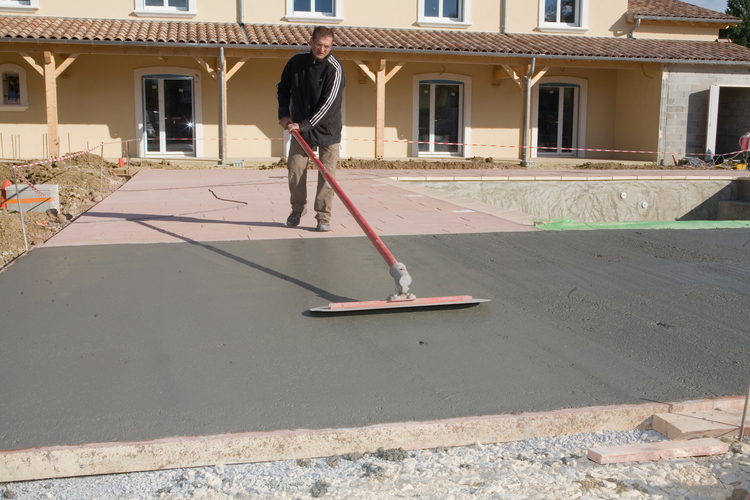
542,468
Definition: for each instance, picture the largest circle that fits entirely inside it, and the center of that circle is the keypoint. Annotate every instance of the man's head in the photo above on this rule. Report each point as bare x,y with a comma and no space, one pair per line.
321,42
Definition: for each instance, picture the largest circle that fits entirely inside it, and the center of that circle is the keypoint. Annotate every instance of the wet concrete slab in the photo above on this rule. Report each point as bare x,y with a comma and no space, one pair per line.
131,342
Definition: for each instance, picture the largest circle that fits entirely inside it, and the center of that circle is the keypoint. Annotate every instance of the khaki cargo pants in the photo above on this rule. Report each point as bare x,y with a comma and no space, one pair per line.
297,166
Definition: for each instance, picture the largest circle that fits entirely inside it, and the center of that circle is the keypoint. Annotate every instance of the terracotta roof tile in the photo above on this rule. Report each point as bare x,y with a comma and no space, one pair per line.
675,8
413,40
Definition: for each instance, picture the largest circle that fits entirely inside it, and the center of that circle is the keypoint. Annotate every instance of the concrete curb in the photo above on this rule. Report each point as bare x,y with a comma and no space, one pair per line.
172,453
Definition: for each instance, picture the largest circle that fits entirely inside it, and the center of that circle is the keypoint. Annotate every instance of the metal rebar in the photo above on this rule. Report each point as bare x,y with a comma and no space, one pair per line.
744,414
20,210
101,172
526,111
222,108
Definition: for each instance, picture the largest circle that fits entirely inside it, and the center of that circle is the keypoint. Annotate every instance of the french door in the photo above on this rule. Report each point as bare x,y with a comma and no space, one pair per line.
557,119
440,129
169,115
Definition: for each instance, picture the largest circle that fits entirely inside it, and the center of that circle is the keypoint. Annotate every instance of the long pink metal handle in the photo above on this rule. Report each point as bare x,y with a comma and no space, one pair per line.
379,245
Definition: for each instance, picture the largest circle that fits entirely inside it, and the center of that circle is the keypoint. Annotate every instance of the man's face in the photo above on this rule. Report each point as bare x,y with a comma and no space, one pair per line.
321,47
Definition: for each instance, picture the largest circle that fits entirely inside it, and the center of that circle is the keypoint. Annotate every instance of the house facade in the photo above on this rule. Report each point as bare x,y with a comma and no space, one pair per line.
425,78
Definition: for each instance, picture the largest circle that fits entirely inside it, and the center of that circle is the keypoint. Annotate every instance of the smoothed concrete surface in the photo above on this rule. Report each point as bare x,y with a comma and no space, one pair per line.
136,342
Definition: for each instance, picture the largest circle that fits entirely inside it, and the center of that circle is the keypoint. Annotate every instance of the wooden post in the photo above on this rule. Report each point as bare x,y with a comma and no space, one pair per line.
380,109
50,86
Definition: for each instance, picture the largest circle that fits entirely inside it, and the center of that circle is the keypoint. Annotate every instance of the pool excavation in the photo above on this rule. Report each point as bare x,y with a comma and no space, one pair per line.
640,201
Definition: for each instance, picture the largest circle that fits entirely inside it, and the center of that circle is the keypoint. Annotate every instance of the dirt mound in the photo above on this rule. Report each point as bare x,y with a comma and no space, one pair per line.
82,182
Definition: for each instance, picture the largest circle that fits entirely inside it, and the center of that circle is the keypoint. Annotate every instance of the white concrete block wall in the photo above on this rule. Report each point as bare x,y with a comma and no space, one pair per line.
685,117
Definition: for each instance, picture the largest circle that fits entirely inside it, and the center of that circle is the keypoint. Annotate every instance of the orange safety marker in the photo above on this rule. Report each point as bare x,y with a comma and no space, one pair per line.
30,200
6,183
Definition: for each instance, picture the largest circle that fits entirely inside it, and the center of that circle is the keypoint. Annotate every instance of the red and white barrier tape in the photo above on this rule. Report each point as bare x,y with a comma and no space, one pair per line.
552,148
43,162
595,150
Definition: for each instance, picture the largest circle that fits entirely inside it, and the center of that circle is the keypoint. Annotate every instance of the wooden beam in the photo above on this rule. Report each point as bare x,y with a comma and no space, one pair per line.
64,65
394,70
206,67
236,67
380,110
539,76
513,75
50,87
32,63
366,69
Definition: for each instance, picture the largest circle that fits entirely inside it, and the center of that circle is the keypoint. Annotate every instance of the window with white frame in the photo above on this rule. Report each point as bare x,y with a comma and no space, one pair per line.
15,95
165,8
563,15
319,11
19,5
441,115
440,13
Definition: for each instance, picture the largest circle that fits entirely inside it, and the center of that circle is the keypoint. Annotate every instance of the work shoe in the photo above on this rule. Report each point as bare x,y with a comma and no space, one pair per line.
294,217
323,226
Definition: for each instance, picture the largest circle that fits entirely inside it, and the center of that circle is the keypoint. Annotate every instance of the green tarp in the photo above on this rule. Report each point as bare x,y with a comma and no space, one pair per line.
567,224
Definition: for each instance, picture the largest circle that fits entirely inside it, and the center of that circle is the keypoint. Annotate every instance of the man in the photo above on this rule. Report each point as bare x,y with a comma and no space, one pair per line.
313,83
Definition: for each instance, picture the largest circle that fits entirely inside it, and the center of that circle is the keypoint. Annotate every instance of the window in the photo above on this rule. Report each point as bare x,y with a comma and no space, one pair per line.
15,97
318,11
168,112
442,115
441,13
19,5
563,16
559,117
165,8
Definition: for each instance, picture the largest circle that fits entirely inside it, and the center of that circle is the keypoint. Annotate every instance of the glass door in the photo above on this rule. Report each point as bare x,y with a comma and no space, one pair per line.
557,119
440,118
169,115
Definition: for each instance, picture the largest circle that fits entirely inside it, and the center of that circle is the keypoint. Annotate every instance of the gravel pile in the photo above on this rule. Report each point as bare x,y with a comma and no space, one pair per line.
542,468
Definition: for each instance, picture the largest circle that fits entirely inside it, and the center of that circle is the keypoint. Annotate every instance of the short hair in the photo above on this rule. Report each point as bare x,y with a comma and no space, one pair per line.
322,31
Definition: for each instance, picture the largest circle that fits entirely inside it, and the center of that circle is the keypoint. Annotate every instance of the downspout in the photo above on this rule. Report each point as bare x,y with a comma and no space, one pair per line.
504,19
637,25
222,108
241,11
526,112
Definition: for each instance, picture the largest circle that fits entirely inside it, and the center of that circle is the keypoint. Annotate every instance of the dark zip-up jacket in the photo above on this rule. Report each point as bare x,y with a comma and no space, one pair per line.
314,90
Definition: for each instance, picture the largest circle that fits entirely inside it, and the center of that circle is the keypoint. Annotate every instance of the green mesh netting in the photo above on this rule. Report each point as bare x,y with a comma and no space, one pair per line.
568,224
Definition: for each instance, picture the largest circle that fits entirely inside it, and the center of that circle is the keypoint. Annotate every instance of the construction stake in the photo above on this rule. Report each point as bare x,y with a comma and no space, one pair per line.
101,172
20,210
744,414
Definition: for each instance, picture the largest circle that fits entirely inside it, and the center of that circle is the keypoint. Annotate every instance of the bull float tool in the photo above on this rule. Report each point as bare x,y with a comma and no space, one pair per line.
402,298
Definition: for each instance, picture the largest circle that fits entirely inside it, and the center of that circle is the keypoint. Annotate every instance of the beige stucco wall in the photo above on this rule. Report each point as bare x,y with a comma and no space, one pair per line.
604,18
676,33
207,10
637,110
484,16
96,96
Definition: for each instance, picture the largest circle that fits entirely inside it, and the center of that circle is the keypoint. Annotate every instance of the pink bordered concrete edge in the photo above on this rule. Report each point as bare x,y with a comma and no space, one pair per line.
195,451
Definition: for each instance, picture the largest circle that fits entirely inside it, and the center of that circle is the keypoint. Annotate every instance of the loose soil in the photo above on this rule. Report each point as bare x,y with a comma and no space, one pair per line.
86,180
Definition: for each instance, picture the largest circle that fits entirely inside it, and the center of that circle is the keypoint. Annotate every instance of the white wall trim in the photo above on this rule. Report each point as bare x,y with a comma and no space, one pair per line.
315,17
197,104
466,81
580,26
141,10
443,22
23,105
583,90
10,6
